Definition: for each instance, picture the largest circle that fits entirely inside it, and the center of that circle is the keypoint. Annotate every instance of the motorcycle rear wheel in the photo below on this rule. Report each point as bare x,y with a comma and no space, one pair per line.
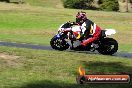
108,46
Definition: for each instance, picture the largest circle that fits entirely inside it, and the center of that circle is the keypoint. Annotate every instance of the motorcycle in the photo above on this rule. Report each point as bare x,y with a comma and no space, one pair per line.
68,39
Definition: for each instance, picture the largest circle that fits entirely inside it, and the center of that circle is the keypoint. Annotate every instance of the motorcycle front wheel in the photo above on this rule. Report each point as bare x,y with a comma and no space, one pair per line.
58,44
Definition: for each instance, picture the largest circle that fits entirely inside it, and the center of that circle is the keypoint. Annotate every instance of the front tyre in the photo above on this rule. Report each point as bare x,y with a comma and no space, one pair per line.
108,46
58,44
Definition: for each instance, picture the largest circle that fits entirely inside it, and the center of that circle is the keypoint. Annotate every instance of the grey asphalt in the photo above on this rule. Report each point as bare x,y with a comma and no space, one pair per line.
40,47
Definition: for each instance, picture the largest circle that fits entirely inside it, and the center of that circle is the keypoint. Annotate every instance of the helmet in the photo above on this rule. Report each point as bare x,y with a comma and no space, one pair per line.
81,17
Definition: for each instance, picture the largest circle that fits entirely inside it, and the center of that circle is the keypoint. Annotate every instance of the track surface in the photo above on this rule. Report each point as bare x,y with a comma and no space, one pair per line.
40,47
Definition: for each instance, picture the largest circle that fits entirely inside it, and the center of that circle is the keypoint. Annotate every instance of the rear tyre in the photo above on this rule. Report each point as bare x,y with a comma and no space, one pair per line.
108,46
58,44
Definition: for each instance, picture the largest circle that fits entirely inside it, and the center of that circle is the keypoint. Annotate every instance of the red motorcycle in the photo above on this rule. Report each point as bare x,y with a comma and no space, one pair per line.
69,39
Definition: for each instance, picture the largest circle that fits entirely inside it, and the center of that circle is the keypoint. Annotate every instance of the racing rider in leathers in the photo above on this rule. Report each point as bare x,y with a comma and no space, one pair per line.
90,31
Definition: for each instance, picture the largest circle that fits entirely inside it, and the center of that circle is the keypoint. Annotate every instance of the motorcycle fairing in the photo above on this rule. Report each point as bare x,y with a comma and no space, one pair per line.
109,32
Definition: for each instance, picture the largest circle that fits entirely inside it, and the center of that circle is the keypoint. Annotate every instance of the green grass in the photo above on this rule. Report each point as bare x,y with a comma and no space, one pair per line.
46,3
48,69
37,25
30,39
27,68
125,47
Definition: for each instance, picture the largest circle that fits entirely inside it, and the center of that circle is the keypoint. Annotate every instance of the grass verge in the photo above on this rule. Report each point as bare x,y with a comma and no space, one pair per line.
27,68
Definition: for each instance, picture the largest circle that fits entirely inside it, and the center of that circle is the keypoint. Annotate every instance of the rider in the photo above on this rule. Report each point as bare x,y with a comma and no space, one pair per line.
90,31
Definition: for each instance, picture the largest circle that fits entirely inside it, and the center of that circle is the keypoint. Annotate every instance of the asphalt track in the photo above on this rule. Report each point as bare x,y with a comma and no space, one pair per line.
40,47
